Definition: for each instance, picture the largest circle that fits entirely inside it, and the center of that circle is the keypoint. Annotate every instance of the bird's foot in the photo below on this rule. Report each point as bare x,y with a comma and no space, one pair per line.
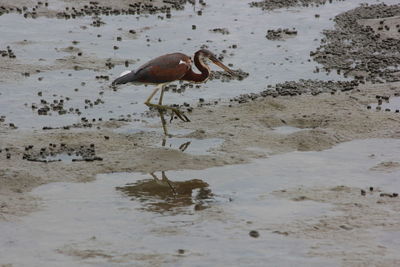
180,115
175,111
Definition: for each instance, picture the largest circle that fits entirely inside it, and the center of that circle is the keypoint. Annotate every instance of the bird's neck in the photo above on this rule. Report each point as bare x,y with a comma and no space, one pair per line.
202,67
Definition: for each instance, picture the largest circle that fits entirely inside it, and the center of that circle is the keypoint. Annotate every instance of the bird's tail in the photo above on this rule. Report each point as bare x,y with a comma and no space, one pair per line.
125,77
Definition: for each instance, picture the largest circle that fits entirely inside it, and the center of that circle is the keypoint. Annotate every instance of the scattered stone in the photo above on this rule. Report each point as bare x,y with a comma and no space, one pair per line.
220,30
280,34
254,233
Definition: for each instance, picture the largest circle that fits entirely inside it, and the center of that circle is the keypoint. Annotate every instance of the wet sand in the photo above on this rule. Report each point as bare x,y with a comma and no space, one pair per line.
330,120
248,126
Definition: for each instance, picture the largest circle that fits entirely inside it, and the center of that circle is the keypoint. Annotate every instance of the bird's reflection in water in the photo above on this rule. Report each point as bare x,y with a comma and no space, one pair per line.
182,147
163,195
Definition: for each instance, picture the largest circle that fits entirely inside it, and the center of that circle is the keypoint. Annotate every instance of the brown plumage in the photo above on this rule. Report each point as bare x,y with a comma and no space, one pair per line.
169,68
172,67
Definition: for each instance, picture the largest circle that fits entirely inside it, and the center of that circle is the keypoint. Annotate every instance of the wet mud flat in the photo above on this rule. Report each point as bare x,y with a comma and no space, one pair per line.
227,164
364,44
342,117
343,210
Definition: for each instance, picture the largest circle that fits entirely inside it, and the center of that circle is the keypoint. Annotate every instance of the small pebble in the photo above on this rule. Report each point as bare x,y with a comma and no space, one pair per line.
254,233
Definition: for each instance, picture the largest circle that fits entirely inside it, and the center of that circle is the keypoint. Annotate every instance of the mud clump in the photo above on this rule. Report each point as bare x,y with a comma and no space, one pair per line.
226,77
280,34
7,53
275,4
293,88
313,87
254,234
6,125
220,30
359,49
54,152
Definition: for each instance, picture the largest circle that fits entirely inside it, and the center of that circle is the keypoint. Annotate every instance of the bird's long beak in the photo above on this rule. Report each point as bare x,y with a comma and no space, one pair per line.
222,66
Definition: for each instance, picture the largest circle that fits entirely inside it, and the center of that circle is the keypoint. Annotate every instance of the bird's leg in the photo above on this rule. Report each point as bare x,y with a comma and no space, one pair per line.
165,178
161,95
164,123
184,146
147,102
163,107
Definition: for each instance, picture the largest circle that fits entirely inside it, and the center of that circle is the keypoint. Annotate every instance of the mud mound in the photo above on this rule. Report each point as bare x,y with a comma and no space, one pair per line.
360,50
293,88
275,4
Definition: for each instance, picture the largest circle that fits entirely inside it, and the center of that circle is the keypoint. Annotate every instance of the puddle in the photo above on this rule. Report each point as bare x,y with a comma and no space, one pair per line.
191,145
63,157
392,104
141,127
273,61
288,129
199,217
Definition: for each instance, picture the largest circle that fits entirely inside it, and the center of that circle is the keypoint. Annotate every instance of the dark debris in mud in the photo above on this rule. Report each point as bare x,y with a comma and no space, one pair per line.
226,77
181,87
57,106
358,50
275,4
293,88
280,34
4,124
7,53
55,152
385,99
220,30
96,9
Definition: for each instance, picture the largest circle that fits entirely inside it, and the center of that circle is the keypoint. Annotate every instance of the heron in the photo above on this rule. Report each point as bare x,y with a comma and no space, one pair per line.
168,68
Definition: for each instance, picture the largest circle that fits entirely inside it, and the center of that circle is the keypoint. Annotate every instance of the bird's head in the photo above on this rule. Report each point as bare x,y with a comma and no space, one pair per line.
204,53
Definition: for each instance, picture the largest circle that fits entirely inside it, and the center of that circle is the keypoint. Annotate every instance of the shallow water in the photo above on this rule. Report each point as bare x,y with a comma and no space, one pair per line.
194,218
268,62
191,145
393,104
288,129
67,158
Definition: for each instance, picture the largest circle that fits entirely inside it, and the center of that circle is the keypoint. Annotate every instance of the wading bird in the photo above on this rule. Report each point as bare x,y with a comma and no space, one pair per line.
168,68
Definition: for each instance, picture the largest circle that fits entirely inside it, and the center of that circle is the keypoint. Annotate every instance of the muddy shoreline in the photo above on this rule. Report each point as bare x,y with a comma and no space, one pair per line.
327,113
330,119
333,116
